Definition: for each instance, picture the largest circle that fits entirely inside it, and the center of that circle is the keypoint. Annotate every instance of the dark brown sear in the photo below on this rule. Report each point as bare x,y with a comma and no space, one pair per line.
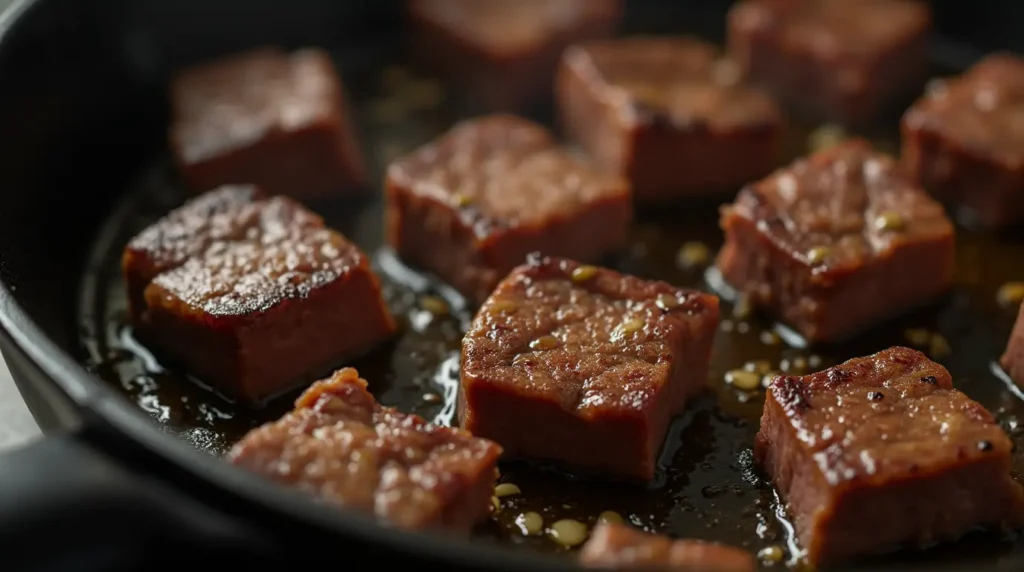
599,362
882,451
343,447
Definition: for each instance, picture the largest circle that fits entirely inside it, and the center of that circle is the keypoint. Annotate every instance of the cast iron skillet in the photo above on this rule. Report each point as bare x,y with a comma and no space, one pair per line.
83,122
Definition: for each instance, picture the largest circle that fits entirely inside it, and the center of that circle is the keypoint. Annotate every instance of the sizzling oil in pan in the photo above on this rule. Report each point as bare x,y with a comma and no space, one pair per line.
707,486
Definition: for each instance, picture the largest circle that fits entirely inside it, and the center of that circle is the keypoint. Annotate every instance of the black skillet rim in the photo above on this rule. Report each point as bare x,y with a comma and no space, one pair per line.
89,394
102,404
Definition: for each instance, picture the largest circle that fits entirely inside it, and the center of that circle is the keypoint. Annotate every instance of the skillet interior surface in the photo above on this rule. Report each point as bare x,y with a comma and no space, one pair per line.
707,486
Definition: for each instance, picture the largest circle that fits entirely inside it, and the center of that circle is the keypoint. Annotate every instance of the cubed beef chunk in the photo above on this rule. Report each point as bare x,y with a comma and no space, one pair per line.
881,452
622,547
504,53
584,366
343,447
252,295
1012,359
669,114
836,243
964,141
470,206
266,117
847,60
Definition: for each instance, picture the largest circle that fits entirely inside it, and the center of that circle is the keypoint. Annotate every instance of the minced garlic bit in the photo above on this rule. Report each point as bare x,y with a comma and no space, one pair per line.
771,554
666,302
818,254
1010,294
742,379
544,343
503,306
693,255
568,532
758,366
610,517
938,347
431,398
583,273
825,136
742,308
506,490
434,304
889,220
530,523
918,336
495,504
769,338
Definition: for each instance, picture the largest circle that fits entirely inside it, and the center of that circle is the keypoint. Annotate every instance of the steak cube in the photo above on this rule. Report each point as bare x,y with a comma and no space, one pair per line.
252,295
836,243
1012,359
881,451
847,60
504,52
668,114
623,547
343,447
964,141
596,362
472,205
266,117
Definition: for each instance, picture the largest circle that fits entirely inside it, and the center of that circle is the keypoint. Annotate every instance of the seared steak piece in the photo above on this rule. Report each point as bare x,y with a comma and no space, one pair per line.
252,295
964,141
343,447
503,53
881,452
266,117
669,114
837,243
622,547
847,60
1012,359
583,365
470,206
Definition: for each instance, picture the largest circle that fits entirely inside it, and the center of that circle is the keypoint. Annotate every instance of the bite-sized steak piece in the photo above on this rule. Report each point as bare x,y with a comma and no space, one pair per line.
343,447
252,295
267,117
847,60
964,141
583,365
223,214
471,206
503,53
622,547
1012,359
836,243
881,452
669,114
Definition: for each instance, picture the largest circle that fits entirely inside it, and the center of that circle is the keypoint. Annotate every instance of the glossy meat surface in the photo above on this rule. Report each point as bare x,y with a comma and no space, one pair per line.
880,451
471,205
622,547
501,171
600,350
346,449
836,243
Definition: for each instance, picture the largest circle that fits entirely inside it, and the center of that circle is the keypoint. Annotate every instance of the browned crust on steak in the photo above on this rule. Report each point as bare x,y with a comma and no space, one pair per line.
836,200
252,295
276,119
623,547
341,446
669,114
962,141
470,206
597,366
880,452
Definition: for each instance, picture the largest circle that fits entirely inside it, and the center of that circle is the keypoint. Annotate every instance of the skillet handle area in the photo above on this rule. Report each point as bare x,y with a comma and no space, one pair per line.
66,504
